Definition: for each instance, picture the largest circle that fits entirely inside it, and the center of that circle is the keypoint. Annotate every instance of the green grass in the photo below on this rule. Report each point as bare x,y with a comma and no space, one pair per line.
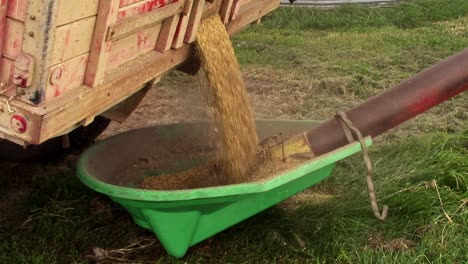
307,63
370,46
412,14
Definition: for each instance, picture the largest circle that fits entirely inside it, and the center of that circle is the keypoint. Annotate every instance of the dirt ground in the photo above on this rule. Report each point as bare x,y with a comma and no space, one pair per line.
178,98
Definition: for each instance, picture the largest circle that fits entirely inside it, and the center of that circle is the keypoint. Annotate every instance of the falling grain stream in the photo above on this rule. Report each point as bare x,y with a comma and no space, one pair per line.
233,121
237,137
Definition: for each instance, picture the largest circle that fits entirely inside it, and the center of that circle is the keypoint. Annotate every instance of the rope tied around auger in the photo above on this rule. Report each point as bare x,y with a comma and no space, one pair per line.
349,129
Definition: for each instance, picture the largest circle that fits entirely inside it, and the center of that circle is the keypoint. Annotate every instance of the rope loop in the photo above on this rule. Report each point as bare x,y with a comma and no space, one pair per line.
349,129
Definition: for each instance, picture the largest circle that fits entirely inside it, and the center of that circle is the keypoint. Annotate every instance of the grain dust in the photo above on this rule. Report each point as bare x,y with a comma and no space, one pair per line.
201,176
237,138
206,175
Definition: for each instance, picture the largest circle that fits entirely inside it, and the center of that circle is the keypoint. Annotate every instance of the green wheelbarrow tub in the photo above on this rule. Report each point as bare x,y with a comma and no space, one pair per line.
183,218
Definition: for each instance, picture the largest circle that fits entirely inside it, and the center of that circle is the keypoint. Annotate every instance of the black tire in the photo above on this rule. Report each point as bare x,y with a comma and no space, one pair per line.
83,136
10,151
52,150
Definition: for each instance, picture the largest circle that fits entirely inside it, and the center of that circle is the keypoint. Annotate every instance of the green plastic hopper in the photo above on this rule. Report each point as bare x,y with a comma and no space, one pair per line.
183,218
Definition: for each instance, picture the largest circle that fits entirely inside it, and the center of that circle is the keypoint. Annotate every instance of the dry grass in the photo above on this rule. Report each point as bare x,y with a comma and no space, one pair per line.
277,95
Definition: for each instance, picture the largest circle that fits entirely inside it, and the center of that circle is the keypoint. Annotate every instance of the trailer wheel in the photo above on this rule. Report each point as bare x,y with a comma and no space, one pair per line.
53,150
83,136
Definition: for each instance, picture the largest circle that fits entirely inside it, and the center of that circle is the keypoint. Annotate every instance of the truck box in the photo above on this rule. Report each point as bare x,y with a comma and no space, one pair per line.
64,62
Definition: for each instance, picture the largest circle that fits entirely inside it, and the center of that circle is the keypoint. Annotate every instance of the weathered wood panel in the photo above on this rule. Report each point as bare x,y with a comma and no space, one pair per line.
12,12
17,9
194,20
118,86
131,25
7,66
81,104
168,30
235,9
73,39
258,10
226,10
6,69
100,47
247,5
124,3
130,47
74,10
140,7
38,42
3,24
166,36
67,75
13,40
182,26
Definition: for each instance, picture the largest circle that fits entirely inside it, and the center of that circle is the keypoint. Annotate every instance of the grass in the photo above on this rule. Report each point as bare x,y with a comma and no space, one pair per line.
364,51
334,59
411,14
